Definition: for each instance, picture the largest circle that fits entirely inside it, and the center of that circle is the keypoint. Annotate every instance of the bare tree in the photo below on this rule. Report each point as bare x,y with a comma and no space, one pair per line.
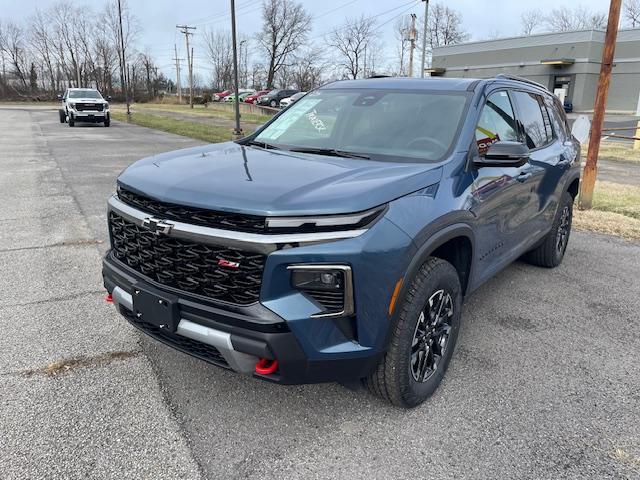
130,32
400,33
444,28
564,19
217,47
306,73
632,12
351,40
285,25
531,20
13,44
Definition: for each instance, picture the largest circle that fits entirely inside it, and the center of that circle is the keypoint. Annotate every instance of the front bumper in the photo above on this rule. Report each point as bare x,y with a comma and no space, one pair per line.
234,339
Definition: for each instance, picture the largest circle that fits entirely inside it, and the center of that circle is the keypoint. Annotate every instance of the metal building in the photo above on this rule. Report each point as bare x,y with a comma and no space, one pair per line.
568,63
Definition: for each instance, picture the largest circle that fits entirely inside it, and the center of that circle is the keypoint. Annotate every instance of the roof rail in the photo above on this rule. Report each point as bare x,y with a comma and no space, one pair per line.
507,76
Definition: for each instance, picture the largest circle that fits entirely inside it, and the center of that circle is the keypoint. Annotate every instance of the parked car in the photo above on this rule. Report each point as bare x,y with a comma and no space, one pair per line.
285,102
273,98
217,97
241,96
374,207
568,106
84,105
253,98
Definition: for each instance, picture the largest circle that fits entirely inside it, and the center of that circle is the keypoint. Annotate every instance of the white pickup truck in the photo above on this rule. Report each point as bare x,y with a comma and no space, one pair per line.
84,105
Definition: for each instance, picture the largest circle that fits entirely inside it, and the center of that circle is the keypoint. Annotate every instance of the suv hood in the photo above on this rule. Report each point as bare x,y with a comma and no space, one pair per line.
234,178
86,100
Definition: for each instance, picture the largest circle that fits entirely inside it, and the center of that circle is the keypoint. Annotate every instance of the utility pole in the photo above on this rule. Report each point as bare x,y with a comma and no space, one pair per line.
412,39
185,29
178,60
424,37
123,65
237,132
590,170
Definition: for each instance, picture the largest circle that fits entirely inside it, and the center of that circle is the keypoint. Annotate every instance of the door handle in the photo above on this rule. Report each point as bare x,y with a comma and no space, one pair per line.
523,177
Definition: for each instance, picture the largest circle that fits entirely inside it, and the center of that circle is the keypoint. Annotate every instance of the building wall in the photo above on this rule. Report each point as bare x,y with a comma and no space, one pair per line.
522,56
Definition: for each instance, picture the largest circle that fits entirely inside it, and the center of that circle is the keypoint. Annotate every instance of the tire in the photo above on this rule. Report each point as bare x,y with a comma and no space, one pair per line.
62,116
107,121
71,121
550,252
273,103
398,377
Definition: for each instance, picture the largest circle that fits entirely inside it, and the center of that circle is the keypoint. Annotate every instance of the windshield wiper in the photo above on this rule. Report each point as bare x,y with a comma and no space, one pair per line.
265,145
331,152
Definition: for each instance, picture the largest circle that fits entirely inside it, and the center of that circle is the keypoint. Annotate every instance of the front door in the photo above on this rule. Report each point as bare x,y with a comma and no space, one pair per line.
501,196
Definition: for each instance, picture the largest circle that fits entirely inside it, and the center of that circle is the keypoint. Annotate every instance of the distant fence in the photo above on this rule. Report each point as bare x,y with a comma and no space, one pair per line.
247,108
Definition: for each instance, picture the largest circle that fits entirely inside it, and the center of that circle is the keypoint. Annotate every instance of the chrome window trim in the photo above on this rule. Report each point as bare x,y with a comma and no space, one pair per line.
253,242
349,305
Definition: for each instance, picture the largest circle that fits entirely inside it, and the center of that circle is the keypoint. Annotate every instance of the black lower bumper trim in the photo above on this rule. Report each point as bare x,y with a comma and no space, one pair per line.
251,335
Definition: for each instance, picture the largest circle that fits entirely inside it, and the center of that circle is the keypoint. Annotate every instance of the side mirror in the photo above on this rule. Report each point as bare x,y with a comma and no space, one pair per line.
504,154
59,97
108,98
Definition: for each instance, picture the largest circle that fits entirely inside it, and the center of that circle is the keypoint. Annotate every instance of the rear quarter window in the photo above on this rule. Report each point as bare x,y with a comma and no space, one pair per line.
534,119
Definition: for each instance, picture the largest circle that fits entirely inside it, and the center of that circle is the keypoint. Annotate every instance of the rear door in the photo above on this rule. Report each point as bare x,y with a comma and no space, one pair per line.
547,160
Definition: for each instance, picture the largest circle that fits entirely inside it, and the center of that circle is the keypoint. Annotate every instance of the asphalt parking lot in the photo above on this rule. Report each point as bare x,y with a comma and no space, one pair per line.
544,384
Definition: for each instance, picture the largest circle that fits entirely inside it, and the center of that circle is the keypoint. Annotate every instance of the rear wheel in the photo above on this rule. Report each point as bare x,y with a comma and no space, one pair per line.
551,251
423,338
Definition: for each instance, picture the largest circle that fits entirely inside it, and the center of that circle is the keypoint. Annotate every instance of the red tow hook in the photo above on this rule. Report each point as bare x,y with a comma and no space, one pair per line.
266,366
108,298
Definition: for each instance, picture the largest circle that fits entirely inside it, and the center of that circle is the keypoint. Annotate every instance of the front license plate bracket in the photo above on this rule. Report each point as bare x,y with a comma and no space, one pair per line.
155,307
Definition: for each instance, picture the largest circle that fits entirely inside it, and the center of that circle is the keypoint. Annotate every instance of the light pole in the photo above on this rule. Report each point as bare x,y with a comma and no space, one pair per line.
237,132
424,37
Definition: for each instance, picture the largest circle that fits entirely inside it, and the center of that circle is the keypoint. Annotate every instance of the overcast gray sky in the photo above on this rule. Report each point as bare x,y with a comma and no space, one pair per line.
481,18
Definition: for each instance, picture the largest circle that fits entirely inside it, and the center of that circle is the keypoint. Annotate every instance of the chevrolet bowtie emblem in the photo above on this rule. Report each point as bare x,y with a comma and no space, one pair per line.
157,226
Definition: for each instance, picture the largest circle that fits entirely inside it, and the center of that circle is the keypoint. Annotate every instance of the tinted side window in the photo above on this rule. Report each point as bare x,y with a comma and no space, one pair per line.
496,122
558,118
536,126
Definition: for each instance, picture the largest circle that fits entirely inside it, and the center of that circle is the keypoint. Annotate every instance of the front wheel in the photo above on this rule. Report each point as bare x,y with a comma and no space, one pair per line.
551,251
423,338
71,121
107,121
273,103
62,116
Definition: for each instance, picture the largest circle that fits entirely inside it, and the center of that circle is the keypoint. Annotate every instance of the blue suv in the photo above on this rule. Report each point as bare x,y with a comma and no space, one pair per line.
338,241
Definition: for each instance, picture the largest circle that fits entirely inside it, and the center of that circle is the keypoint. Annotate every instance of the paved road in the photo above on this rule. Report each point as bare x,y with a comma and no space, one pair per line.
544,384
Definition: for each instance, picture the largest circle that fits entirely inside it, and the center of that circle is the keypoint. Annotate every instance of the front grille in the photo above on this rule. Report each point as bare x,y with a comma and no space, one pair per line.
198,349
187,266
193,215
81,107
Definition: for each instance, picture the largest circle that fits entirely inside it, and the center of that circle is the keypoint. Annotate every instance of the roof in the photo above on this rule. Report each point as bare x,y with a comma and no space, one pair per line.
427,83
549,38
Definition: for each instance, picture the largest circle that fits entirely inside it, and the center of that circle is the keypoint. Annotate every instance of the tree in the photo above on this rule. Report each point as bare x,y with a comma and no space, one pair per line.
351,40
444,28
306,73
632,12
531,20
285,25
33,78
218,49
12,43
564,19
400,33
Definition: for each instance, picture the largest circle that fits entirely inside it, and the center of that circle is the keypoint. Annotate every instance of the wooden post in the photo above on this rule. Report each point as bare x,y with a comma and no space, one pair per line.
590,170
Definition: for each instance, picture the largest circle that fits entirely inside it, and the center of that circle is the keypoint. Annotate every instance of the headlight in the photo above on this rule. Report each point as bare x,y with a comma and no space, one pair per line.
330,286
106,105
325,223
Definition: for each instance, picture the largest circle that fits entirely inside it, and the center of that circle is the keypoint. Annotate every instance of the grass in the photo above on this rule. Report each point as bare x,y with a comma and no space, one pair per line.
616,151
214,110
208,133
616,211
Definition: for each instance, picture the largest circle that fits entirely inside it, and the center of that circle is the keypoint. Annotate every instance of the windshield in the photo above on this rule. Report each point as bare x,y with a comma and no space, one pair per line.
387,125
84,94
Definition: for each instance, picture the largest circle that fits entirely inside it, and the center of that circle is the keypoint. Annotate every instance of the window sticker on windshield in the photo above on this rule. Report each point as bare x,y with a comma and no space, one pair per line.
317,123
283,123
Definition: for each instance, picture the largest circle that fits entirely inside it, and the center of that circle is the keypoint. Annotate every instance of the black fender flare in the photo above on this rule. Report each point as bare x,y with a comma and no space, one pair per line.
437,239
